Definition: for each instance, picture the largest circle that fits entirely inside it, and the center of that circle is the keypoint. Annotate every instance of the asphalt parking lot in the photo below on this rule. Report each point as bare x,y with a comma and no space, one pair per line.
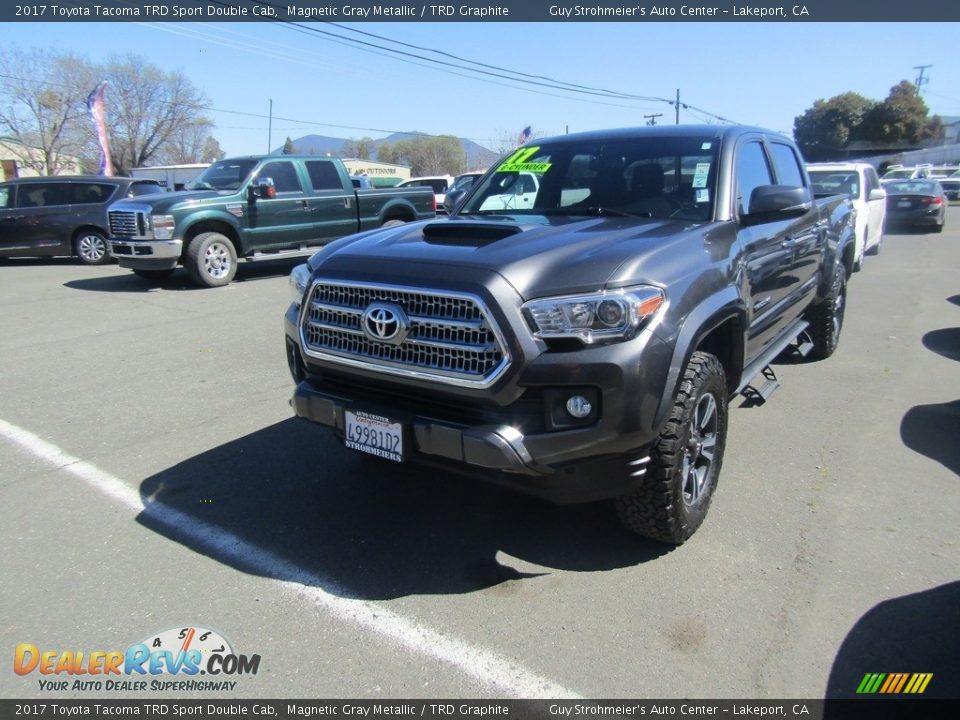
153,478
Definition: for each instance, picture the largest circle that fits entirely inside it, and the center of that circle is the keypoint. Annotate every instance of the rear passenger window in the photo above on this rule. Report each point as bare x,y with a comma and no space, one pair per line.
323,175
90,193
41,195
787,165
284,176
6,197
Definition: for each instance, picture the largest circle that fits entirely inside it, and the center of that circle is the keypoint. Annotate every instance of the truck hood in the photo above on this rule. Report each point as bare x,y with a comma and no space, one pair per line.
160,203
537,255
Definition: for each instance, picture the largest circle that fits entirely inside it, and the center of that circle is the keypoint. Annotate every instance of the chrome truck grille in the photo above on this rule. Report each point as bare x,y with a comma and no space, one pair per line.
413,332
126,223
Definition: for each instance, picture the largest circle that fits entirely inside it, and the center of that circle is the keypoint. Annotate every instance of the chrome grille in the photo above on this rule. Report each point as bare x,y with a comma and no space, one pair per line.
125,223
451,337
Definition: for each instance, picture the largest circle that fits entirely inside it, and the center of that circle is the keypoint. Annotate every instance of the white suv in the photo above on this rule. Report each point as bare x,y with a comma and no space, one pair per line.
860,183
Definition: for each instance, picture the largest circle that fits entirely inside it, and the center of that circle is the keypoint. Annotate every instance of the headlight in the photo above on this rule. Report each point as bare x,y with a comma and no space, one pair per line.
299,279
162,226
610,315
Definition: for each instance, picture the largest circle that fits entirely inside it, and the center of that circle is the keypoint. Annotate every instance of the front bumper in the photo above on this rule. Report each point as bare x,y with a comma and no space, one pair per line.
147,254
511,434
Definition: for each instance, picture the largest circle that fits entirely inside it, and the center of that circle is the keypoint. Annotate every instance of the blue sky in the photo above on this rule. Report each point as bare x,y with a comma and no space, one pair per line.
757,73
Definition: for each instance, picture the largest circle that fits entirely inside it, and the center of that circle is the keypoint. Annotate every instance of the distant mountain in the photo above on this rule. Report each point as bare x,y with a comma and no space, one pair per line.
477,155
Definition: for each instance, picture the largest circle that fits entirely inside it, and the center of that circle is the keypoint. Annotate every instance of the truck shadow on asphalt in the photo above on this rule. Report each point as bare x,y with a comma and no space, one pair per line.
910,634
365,528
125,281
932,430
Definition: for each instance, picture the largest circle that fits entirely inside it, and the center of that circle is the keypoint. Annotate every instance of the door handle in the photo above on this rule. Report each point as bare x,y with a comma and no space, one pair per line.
305,204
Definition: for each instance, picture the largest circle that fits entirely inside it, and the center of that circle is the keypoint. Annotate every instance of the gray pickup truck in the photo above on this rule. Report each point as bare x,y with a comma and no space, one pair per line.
582,344
256,208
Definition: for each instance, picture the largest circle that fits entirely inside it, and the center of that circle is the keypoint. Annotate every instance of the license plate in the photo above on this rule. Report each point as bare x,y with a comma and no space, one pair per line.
373,434
904,203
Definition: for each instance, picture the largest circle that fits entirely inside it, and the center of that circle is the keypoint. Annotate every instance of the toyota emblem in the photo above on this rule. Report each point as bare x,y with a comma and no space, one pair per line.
385,323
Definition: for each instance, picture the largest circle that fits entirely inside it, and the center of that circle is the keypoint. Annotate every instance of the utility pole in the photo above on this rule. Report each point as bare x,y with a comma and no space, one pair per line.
677,107
921,80
270,129
652,119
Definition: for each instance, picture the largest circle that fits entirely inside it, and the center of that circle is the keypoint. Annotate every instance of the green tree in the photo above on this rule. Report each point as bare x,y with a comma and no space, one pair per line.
826,128
902,118
289,148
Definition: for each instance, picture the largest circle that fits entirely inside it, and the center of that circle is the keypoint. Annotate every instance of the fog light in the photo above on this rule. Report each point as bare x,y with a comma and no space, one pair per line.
579,407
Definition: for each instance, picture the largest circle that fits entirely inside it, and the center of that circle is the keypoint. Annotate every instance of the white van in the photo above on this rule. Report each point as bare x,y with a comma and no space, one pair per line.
859,181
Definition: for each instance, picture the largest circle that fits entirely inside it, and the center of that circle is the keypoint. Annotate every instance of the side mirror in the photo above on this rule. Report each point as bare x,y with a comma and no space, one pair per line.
263,188
877,194
777,202
453,198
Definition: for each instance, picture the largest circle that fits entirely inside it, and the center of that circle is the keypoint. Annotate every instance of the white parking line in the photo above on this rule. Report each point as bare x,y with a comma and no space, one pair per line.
488,668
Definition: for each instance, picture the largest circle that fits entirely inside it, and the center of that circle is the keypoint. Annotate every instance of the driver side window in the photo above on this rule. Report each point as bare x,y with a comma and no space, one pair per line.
753,171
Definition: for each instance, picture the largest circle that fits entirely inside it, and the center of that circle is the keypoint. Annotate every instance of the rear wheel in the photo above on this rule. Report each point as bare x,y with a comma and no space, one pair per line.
393,223
211,259
92,248
826,317
685,461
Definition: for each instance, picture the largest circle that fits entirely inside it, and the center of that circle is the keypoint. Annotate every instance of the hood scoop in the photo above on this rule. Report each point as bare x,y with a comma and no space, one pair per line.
469,233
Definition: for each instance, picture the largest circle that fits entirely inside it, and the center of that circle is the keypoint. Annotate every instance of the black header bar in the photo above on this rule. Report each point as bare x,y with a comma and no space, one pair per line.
639,11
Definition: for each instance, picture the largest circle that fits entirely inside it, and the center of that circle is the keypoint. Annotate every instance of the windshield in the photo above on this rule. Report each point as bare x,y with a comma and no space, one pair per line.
224,176
656,177
831,182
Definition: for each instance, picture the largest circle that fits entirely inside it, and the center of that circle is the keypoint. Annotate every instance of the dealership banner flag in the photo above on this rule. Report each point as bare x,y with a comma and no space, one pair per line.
98,116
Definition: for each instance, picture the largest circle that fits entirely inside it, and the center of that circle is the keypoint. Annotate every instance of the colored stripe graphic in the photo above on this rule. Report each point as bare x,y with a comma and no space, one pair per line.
894,683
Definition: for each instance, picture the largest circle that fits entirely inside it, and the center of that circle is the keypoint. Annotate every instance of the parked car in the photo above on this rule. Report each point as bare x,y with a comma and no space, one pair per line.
916,203
951,186
438,183
259,207
860,183
63,215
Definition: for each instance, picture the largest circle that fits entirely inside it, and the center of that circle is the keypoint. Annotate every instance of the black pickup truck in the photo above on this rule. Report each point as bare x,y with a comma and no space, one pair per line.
256,208
580,343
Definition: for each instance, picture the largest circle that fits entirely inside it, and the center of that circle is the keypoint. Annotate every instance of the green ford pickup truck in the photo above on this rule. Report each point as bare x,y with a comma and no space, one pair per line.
256,208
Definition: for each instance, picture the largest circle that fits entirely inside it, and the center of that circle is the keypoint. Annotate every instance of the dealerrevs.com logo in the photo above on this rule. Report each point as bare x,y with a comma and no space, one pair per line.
168,661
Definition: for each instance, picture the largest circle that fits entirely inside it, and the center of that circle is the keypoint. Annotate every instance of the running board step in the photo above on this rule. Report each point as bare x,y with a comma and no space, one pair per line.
279,254
804,344
758,394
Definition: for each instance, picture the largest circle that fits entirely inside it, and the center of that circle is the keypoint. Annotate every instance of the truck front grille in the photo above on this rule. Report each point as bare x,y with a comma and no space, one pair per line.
444,336
126,223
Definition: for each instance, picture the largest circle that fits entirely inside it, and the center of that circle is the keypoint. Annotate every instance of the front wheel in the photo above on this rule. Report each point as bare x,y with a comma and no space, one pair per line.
826,317
92,248
685,461
211,259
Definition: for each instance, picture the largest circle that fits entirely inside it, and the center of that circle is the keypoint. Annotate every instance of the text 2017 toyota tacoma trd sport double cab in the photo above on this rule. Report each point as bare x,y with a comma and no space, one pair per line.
256,208
582,346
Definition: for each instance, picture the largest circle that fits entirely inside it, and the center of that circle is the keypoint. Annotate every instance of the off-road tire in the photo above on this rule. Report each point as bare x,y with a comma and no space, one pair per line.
92,248
154,275
673,500
826,317
211,259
